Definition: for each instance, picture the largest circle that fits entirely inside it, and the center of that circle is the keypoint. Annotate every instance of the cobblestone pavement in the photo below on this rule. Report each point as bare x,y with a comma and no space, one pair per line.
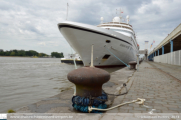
161,91
173,70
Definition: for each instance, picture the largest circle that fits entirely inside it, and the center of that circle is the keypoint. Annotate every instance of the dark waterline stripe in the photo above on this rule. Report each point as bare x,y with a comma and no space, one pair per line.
61,26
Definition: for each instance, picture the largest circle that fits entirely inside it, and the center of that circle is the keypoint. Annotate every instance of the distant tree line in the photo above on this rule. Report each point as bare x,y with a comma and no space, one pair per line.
57,55
29,53
22,53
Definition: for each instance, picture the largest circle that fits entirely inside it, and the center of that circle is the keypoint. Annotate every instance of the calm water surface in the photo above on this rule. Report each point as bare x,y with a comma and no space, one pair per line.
28,80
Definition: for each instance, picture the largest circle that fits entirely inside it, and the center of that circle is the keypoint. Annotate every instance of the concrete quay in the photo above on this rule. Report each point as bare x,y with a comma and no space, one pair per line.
62,103
159,84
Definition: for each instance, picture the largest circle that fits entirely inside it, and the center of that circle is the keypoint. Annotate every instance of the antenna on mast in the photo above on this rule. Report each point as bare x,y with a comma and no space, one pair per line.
127,17
121,11
67,11
102,20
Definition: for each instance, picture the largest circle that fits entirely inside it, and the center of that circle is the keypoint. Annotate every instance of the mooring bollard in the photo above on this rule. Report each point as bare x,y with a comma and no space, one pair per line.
88,82
132,65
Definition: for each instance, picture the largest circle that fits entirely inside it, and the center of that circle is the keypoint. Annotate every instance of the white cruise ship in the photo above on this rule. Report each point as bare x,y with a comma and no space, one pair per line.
109,39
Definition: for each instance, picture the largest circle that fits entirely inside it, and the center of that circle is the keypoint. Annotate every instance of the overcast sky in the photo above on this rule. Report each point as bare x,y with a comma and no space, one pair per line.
32,24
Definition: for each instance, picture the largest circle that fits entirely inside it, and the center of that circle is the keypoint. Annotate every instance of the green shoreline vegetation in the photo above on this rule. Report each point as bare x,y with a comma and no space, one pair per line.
29,53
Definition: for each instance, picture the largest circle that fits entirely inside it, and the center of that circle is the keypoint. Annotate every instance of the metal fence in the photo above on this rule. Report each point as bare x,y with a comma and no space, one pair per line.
173,58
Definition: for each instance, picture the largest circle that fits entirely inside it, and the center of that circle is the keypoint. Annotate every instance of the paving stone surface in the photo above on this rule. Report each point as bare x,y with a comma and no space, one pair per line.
173,70
161,90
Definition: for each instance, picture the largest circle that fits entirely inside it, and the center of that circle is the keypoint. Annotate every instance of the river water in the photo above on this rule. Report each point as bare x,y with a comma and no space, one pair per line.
28,80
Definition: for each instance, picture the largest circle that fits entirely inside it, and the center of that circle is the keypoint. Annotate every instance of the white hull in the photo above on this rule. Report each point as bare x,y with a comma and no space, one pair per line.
81,37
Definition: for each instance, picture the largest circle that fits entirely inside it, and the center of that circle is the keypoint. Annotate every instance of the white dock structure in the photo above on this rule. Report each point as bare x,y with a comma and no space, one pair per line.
144,52
169,50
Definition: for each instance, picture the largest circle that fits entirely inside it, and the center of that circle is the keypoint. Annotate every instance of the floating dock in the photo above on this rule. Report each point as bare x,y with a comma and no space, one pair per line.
71,58
71,61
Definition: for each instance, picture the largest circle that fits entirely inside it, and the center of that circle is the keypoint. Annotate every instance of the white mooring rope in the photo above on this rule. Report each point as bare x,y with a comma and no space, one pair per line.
138,101
117,57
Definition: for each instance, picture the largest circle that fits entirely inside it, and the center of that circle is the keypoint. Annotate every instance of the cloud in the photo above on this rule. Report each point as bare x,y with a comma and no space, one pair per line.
42,43
32,24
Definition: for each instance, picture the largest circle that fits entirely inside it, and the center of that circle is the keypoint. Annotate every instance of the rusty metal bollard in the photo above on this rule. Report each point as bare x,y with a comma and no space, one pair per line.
88,81
132,64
